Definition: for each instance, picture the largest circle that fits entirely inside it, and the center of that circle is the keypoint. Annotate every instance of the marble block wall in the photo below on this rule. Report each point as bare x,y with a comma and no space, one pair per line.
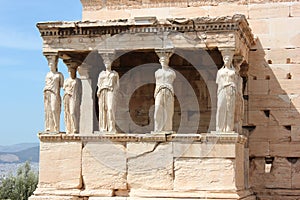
142,166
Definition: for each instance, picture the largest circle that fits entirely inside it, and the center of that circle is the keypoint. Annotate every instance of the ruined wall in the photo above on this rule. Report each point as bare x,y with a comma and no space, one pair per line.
273,104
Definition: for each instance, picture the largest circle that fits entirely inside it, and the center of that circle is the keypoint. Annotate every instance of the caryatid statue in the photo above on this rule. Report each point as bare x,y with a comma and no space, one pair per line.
226,94
72,96
52,100
164,95
108,85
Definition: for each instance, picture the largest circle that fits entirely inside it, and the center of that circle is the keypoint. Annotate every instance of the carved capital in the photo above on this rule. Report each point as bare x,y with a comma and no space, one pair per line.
227,52
164,53
51,57
108,57
71,64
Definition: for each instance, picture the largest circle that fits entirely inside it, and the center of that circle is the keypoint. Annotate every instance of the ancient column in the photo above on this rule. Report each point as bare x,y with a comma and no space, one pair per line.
87,107
52,100
164,93
72,98
108,85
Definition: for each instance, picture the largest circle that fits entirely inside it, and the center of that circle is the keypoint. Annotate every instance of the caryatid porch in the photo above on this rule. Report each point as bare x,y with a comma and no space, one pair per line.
198,46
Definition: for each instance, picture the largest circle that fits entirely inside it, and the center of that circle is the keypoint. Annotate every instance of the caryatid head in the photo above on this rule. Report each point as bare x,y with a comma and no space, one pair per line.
108,59
52,63
72,72
227,61
164,61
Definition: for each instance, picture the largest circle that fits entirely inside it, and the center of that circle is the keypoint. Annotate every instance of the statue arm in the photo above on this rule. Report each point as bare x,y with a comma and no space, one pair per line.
240,85
77,92
99,79
61,78
117,81
99,83
65,84
174,74
218,77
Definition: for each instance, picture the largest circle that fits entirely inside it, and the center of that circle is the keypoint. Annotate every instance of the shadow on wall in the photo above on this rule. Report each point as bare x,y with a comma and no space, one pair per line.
273,104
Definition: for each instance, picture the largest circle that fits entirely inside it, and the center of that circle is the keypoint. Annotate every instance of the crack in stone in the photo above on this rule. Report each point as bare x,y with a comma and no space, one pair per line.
145,153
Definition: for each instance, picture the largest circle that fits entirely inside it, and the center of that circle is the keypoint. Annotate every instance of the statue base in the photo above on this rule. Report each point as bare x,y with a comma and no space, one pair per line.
144,166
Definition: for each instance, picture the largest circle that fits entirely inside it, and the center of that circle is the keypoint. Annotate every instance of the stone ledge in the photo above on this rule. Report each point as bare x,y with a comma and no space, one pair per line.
153,194
193,194
122,137
56,192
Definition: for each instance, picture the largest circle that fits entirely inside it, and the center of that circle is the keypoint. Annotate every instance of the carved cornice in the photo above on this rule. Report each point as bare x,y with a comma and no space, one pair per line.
205,138
236,23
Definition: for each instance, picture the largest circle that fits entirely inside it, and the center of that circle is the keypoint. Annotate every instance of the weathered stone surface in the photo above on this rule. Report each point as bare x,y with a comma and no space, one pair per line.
189,12
259,26
104,165
286,117
54,198
97,192
258,118
295,173
108,198
295,133
203,150
258,87
225,9
209,195
283,86
60,165
266,102
150,166
204,174
285,149
280,176
270,133
240,167
259,148
267,10
295,10
280,55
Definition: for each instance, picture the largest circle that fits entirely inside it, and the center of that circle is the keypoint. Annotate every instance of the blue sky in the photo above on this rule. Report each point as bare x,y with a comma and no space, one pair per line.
23,66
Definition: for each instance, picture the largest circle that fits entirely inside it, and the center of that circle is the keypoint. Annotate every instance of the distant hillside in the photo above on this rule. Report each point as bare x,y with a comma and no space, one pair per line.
31,154
17,147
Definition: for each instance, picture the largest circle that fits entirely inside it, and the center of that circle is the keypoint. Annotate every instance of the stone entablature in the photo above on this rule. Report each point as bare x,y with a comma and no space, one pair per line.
223,32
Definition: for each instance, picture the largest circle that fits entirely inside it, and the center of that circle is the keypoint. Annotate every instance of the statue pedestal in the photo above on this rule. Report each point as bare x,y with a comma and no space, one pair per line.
208,166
